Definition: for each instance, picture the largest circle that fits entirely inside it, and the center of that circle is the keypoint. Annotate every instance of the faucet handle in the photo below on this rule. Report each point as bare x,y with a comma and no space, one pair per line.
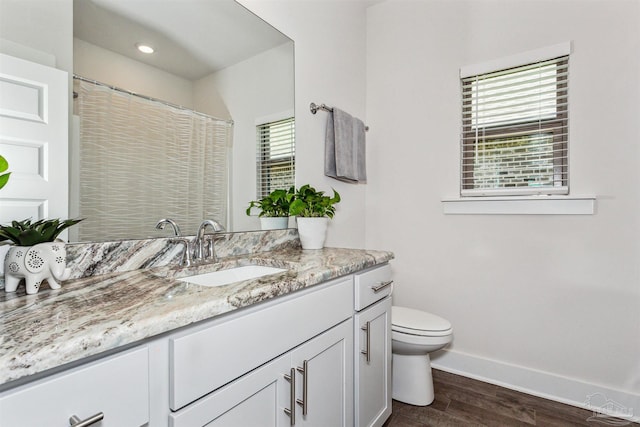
186,253
211,252
210,249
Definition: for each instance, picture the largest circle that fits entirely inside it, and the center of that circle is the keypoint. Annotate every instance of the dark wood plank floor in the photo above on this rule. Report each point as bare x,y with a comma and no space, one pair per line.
462,401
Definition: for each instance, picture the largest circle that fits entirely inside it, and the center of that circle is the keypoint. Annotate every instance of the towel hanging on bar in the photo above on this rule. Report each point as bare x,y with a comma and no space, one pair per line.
344,148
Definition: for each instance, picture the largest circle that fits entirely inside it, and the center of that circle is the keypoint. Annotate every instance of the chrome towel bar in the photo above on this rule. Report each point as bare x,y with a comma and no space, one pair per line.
315,107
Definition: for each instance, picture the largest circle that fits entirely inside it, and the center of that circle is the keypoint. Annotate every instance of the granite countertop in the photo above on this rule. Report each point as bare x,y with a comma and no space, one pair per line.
96,314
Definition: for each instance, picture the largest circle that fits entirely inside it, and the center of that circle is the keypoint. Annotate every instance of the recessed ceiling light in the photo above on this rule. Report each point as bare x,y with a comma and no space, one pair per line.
144,48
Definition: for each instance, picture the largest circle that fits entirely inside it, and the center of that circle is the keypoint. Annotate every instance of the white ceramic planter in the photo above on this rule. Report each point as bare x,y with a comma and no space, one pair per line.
312,232
274,222
44,261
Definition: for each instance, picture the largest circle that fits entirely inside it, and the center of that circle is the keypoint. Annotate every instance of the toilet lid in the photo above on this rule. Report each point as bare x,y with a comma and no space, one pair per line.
417,322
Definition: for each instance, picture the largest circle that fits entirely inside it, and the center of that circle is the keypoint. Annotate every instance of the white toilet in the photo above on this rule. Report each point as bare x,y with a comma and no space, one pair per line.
414,335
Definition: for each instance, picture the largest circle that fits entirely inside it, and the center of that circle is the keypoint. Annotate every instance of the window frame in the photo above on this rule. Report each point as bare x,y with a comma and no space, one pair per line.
557,126
264,161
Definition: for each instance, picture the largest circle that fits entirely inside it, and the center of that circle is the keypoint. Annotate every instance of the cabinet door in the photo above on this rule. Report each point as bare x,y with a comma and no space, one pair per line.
324,379
116,386
257,399
373,364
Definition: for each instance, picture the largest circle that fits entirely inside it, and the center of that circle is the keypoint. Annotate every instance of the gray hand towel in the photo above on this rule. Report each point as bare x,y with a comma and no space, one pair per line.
345,150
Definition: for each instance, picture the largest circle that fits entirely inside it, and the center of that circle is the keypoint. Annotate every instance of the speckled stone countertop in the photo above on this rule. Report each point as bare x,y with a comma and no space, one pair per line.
92,315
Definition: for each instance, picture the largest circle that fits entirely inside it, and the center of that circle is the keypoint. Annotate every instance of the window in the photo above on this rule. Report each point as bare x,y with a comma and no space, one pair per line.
276,156
515,130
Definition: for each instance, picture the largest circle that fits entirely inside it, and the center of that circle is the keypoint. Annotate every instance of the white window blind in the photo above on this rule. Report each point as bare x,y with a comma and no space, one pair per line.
275,156
515,130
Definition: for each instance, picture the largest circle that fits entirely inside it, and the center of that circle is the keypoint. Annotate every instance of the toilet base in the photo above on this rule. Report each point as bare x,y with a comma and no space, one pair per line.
412,379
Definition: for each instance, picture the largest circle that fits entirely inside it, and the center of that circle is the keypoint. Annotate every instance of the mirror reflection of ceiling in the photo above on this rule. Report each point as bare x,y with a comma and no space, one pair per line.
190,37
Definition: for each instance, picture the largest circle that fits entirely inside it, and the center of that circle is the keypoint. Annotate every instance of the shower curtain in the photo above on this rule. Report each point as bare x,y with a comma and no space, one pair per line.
142,160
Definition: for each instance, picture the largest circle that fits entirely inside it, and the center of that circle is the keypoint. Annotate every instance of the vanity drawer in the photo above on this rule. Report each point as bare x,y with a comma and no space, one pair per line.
117,386
371,286
211,357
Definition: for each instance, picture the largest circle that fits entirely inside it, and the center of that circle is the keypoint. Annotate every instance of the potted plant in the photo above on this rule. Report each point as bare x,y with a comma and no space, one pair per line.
274,209
36,255
312,210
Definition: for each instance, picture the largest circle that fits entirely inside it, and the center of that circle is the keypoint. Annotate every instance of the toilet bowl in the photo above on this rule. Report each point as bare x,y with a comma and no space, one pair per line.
415,334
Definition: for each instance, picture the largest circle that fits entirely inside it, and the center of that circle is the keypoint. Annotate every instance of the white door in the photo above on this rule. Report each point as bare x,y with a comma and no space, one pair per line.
34,110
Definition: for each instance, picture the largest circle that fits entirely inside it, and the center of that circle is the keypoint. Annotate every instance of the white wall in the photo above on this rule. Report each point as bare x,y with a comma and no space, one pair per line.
53,20
105,66
250,96
555,294
330,57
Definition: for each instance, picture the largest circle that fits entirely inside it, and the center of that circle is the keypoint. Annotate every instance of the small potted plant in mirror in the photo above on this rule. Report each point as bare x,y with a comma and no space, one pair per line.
35,255
312,210
274,209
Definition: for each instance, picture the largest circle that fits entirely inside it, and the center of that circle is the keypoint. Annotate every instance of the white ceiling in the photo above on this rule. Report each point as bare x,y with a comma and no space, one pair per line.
191,38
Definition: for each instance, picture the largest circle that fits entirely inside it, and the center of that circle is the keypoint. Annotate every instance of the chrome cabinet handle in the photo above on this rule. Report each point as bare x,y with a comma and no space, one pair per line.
74,421
367,351
305,384
381,286
291,411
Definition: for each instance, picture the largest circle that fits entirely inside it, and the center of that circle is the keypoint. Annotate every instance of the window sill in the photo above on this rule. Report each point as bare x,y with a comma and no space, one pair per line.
520,205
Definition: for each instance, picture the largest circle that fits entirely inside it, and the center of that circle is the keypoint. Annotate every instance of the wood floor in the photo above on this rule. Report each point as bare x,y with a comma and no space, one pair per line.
461,401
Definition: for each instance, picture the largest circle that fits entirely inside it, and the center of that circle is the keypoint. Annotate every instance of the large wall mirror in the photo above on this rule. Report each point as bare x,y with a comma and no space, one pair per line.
219,70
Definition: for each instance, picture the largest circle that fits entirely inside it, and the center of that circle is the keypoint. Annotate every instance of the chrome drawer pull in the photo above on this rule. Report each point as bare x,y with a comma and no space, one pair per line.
367,352
292,402
381,286
77,422
304,370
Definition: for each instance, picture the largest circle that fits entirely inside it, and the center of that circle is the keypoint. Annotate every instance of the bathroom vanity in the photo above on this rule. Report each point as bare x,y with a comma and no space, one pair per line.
307,346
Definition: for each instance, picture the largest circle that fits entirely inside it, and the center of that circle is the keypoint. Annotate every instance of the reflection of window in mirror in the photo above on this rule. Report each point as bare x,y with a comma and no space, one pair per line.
275,156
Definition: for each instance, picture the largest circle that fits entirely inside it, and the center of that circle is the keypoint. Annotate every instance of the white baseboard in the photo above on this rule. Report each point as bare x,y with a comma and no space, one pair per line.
605,401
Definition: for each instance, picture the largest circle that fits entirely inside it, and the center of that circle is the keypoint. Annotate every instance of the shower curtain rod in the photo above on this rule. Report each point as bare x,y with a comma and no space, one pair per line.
315,107
148,98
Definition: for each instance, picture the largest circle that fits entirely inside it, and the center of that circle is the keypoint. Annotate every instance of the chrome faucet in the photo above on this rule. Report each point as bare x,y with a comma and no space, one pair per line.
194,252
164,221
199,243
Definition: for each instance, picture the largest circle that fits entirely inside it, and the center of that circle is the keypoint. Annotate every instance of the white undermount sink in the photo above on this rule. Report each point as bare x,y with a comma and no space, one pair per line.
231,275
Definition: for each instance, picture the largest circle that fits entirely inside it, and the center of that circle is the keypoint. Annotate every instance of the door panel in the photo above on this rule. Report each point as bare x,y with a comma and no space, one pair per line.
373,376
329,377
256,399
34,128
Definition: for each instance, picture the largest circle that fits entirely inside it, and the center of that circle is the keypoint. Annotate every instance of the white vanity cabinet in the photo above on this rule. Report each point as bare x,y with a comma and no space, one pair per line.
116,387
232,371
266,395
292,360
372,353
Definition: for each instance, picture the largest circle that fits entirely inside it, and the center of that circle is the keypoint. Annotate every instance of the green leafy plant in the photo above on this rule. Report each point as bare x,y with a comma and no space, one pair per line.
4,177
27,233
308,202
276,204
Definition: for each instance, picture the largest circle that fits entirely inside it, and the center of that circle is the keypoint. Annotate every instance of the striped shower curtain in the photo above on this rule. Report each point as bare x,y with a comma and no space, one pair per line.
142,160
